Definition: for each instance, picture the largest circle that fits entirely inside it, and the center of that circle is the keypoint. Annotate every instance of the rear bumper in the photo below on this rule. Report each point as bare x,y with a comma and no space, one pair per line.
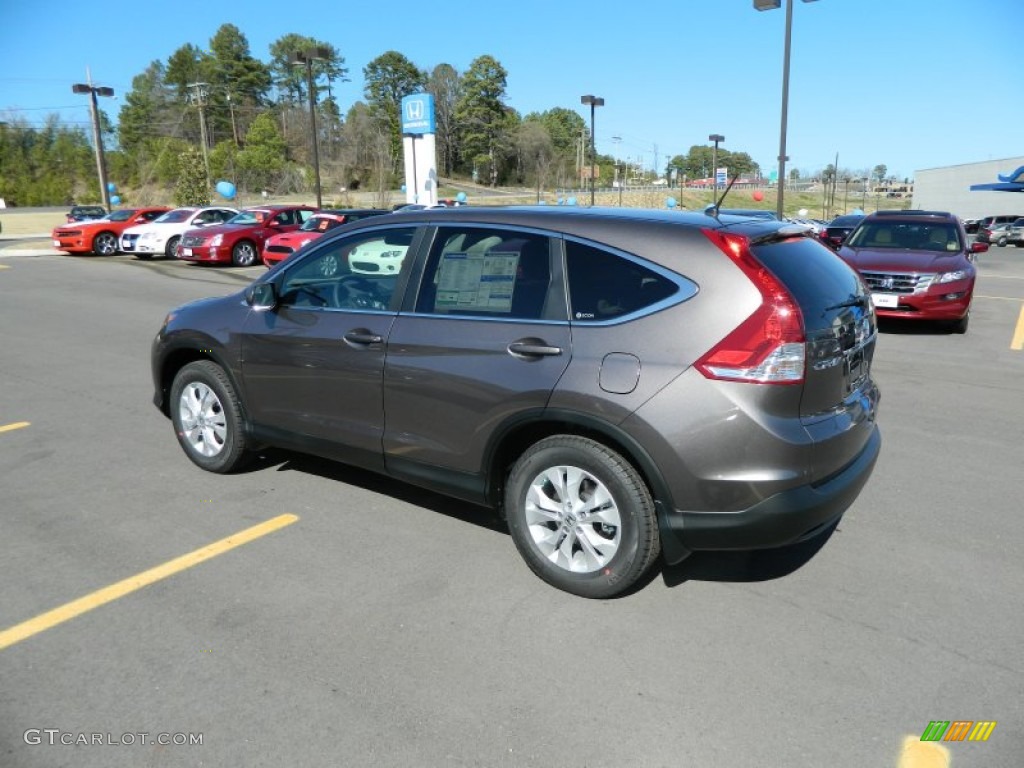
782,519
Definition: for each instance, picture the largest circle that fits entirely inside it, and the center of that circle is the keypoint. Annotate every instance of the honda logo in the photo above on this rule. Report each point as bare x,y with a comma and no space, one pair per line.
414,110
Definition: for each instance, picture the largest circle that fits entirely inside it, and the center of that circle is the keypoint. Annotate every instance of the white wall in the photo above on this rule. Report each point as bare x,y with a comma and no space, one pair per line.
948,189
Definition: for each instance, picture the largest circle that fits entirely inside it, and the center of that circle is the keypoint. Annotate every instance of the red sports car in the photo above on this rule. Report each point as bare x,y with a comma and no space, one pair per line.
280,247
101,236
240,239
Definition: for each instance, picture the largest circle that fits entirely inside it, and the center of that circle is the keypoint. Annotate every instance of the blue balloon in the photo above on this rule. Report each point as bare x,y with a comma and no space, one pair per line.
670,202
571,201
226,190
542,202
111,186
561,201
115,200
403,187
461,197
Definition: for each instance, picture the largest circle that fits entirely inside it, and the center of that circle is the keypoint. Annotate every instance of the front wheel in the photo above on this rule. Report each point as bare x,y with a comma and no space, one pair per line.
581,516
244,254
207,417
171,247
105,244
1001,242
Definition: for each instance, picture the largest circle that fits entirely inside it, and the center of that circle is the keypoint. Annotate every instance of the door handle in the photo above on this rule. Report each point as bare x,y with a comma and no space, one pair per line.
363,337
533,348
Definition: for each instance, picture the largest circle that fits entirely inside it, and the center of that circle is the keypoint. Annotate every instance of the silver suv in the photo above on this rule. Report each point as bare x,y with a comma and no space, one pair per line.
618,384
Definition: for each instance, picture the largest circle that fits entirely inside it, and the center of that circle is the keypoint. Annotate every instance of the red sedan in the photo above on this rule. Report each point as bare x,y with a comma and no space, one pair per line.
101,236
280,247
240,240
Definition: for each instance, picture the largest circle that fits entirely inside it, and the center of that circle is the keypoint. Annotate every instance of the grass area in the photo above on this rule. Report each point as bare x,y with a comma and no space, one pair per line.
15,222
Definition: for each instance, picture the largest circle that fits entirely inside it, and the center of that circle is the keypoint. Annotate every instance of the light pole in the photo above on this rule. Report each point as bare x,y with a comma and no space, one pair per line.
768,5
308,57
594,102
715,137
97,133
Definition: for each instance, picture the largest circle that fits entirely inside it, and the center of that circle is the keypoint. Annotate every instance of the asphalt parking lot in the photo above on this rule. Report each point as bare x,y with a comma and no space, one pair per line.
303,613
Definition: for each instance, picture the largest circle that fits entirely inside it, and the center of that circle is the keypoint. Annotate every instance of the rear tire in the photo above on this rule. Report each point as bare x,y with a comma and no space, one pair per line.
581,517
207,417
1001,242
171,247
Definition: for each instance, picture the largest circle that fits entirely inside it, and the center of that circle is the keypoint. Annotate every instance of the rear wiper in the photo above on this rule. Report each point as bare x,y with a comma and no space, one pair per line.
853,301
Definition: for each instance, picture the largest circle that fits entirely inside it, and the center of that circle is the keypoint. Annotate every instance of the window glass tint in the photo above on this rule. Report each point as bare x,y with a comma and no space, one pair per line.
605,286
813,274
488,272
121,215
358,272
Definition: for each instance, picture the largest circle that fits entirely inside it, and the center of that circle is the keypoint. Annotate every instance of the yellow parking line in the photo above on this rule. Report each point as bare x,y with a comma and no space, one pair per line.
14,426
1018,335
68,611
4,266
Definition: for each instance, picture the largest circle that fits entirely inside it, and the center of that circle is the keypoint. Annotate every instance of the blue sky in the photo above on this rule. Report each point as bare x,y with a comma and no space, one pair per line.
912,84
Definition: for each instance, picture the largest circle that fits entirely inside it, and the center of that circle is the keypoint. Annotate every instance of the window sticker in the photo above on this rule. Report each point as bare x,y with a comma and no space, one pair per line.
480,282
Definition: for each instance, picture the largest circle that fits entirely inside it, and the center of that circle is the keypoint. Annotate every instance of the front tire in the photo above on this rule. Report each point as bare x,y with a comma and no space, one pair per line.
207,417
171,247
581,516
244,254
105,244
960,326
1001,242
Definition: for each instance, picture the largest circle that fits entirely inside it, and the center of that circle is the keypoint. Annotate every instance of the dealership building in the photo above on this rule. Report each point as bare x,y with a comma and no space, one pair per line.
949,189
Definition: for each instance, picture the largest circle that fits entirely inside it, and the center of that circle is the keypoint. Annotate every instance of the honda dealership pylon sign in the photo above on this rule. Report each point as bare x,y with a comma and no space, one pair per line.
419,149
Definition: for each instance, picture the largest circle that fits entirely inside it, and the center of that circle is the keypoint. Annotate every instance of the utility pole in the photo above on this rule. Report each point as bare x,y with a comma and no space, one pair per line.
198,97
307,58
97,133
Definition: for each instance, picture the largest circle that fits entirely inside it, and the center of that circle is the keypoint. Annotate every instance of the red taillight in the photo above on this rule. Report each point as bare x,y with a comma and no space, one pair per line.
768,347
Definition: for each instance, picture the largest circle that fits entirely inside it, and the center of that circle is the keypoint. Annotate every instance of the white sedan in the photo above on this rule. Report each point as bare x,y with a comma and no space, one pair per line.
160,236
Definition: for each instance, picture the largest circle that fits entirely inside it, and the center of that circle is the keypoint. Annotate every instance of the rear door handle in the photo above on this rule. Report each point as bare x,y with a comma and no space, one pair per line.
533,348
363,337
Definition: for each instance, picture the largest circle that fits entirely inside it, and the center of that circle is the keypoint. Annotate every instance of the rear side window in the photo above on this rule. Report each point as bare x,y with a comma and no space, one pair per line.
606,286
490,272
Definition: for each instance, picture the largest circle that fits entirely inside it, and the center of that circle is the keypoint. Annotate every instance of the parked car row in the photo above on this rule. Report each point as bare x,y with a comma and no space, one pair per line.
211,234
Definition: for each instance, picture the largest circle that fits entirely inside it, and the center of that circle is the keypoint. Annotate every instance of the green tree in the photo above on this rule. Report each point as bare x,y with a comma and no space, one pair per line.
481,115
191,188
263,158
239,83
290,78
879,173
389,78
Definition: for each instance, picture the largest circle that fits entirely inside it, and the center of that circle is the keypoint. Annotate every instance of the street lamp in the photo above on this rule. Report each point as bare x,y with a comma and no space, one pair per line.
715,137
593,101
321,53
768,5
97,134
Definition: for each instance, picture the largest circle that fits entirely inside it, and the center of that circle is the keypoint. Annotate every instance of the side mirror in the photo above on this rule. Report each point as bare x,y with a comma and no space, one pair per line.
261,296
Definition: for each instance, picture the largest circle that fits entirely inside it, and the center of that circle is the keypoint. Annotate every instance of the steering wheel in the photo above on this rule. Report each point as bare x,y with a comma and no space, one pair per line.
365,295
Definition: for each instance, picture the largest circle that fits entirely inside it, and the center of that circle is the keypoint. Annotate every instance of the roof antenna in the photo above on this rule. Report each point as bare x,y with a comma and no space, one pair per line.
712,210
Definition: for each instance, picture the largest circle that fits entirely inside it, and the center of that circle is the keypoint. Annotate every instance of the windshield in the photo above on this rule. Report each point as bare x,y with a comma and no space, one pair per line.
177,215
121,215
913,236
320,224
248,217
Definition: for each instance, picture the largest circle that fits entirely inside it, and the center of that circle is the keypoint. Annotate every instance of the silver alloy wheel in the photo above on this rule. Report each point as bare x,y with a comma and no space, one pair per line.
573,519
105,244
329,265
245,254
203,422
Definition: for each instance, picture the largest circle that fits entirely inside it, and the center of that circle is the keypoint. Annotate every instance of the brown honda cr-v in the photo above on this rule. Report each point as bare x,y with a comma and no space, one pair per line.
619,384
